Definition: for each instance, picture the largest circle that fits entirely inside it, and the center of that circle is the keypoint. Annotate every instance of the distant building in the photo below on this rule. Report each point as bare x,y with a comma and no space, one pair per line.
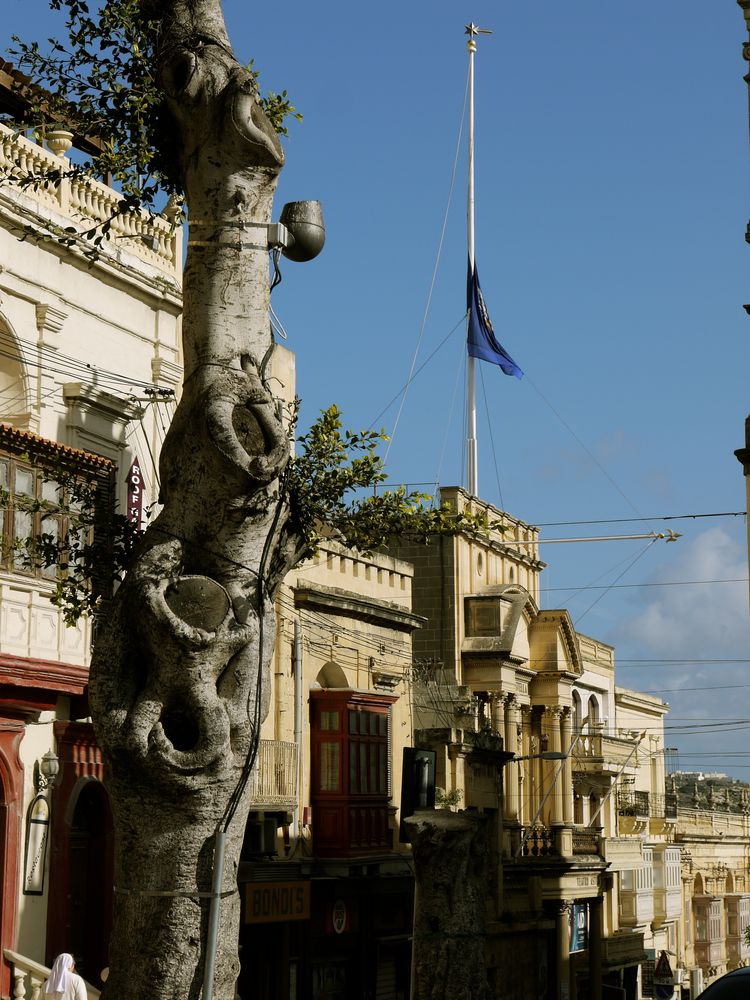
580,841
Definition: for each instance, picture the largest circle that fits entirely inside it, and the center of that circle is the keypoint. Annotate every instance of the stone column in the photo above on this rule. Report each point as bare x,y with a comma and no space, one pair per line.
566,778
511,770
554,777
526,767
540,767
562,929
596,933
497,702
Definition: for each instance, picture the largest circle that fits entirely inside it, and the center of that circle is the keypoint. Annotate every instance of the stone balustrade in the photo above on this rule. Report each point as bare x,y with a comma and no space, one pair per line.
29,977
85,202
586,841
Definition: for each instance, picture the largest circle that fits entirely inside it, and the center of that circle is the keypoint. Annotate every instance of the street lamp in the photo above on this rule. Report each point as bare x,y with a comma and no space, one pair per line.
545,755
48,769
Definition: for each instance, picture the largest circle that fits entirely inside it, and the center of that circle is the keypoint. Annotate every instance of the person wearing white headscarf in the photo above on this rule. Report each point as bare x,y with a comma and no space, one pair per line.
64,983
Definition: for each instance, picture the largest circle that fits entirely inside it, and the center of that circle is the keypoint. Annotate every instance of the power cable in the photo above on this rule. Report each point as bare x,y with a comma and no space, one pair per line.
613,585
572,597
434,274
588,451
424,364
629,520
666,583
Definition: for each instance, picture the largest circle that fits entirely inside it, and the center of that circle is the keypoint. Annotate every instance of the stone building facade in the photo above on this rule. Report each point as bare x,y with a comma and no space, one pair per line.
89,367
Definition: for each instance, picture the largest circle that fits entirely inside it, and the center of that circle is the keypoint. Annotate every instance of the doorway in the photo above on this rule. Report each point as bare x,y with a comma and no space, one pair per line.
89,911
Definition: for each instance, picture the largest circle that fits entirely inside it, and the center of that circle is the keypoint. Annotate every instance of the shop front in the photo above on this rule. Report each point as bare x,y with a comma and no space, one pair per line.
325,938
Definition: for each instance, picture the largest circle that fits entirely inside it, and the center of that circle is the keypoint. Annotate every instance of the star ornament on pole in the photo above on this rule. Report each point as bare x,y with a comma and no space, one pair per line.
473,29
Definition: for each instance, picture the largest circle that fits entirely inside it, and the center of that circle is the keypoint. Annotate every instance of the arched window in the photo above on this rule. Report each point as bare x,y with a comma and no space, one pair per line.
577,715
331,675
14,405
593,712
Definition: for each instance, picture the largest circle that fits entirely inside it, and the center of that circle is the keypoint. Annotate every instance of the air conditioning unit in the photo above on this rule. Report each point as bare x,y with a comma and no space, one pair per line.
696,982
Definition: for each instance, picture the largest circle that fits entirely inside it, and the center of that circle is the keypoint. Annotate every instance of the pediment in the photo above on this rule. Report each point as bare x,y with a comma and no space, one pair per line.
554,644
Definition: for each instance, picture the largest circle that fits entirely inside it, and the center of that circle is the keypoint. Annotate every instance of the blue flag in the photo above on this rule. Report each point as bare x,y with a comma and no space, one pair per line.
482,341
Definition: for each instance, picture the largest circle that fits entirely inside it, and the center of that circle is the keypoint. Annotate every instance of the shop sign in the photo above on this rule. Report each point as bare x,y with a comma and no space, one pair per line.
135,494
273,902
578,927
37,829
339,916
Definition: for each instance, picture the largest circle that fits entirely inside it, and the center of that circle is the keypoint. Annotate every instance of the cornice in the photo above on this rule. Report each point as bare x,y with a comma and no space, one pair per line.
336,601
52,676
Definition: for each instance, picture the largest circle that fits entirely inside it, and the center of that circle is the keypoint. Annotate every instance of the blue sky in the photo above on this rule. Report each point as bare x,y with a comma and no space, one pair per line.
613,190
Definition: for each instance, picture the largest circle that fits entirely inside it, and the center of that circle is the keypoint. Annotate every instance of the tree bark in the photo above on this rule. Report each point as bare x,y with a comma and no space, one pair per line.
451,869
179,678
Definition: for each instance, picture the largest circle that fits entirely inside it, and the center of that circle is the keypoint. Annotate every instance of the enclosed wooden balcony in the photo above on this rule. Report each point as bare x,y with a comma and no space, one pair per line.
637,893
710,941
737,912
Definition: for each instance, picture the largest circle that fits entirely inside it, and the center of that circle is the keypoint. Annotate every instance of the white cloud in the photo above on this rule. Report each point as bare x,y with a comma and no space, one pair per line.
697,621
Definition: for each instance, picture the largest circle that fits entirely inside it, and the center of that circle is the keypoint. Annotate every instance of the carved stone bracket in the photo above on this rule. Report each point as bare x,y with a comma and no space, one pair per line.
49,323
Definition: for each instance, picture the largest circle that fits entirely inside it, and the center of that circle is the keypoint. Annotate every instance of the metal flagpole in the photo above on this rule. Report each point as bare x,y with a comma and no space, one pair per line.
471,400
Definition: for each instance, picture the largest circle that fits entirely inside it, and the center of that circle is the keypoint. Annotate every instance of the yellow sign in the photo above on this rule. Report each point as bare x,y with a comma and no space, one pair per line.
272,902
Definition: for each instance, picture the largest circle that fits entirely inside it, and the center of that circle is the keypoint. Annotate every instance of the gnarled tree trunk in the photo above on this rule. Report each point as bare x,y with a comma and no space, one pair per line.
179,677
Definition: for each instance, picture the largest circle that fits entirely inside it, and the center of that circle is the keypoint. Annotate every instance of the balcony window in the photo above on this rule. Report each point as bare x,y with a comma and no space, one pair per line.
32,506
350,736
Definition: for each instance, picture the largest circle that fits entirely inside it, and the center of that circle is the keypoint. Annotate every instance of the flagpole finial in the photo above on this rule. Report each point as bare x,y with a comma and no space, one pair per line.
474,29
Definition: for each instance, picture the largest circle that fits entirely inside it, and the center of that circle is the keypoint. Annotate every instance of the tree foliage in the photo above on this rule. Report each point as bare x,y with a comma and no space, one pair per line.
100,84
333,485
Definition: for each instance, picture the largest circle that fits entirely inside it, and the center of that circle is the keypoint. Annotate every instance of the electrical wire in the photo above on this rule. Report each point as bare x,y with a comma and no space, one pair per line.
434,273
664,583
613,585
630,520
588,451
45,359
424,364
620,562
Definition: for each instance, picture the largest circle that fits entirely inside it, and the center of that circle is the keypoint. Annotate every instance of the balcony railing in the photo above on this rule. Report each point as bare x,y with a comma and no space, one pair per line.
633,803
585,842
604,751
273,783
537,842
29,977
84,202
664,806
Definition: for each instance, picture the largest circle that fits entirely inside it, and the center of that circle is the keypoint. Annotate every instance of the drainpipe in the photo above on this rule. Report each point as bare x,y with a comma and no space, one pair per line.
214,913
298,706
